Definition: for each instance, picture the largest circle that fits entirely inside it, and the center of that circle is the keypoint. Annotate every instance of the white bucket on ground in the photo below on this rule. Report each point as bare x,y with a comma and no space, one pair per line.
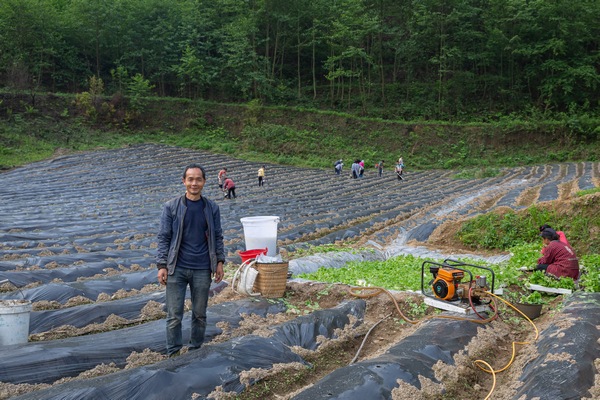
14,321
261,232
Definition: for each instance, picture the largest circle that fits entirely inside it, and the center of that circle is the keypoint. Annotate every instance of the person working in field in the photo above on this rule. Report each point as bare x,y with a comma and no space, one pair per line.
229,187
561,235
400,169
558,258
221,177
261,176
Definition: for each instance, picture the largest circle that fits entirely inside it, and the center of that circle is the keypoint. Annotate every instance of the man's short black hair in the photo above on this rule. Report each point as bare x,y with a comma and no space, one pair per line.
194,165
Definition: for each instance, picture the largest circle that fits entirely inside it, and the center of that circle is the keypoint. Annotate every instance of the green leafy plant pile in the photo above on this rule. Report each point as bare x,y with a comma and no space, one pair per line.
540,278
532,298
404,272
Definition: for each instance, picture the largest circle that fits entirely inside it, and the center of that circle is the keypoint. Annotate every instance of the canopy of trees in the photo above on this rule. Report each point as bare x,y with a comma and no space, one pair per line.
425,58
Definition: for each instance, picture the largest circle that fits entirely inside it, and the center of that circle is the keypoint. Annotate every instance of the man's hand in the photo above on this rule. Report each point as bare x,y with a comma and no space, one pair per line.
219,273
162,276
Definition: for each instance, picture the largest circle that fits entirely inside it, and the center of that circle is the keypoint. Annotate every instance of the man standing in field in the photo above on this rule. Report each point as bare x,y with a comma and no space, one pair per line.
190,252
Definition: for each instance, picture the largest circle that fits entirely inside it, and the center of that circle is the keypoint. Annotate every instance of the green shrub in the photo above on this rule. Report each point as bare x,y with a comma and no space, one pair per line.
496,231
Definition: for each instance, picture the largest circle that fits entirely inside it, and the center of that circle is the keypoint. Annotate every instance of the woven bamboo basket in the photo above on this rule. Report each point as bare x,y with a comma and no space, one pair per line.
271,279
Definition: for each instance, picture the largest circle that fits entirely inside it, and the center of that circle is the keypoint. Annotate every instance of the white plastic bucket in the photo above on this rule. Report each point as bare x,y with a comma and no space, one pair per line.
14,321
261,232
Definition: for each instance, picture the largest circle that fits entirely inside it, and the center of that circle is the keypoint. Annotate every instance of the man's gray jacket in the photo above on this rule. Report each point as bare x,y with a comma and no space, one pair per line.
171,228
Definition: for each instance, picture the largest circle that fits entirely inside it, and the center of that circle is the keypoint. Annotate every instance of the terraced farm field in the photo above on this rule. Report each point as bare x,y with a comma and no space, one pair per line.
78,238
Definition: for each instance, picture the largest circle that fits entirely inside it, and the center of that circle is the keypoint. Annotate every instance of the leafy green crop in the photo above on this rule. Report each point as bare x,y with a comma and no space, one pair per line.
540,278
398,273
590,277
404,272
532,298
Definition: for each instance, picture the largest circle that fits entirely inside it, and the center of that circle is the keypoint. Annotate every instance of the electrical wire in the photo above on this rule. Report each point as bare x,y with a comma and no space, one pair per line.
537,334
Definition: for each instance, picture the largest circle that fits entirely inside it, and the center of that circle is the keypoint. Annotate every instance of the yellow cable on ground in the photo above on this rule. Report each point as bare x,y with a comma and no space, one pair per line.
489,395
537,334
490,370
375,291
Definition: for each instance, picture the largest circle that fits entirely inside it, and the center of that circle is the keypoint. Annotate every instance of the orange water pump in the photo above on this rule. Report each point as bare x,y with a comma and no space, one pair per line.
449,282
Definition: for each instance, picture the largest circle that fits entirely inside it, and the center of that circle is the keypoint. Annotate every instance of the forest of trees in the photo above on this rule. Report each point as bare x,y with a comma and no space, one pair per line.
453,59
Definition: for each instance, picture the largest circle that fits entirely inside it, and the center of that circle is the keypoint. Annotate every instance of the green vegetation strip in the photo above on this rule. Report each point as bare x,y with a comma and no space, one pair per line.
404,272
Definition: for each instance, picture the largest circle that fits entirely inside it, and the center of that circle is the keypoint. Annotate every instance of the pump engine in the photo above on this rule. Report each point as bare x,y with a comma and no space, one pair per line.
449,282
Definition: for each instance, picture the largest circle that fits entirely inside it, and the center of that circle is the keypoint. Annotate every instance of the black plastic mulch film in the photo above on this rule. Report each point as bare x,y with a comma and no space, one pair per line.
200,372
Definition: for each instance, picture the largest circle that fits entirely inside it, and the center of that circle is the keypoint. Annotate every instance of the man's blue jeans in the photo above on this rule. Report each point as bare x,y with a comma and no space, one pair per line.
199,281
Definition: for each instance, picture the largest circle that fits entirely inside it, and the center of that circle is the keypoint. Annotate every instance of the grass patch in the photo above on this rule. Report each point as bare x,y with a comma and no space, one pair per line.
582,193
304,137
478,173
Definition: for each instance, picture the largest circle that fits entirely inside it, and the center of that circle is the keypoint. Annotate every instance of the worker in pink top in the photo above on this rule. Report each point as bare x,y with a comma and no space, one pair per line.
558,258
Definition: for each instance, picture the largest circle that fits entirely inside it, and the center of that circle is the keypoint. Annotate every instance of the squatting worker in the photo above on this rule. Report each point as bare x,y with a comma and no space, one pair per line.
558,258
190,252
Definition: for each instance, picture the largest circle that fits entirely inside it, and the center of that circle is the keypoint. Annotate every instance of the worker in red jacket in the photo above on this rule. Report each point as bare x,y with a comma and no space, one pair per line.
558,258
230,187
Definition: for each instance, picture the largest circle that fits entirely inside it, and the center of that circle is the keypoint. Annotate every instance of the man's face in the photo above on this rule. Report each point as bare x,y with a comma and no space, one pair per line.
194,181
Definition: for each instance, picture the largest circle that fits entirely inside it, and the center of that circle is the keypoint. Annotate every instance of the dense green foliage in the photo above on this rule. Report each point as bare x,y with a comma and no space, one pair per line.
433,59
590,280
532,298
404,273
32,129
398,273
505,230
